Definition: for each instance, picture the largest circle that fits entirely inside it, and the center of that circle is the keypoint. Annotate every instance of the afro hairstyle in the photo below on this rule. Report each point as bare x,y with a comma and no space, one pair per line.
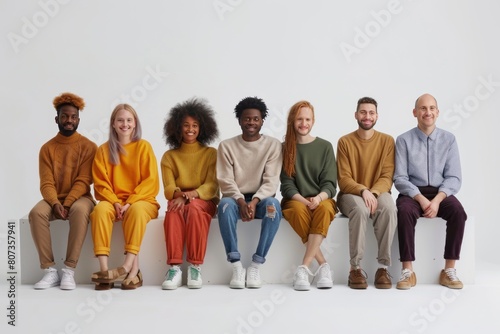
68,98
251,103
199,110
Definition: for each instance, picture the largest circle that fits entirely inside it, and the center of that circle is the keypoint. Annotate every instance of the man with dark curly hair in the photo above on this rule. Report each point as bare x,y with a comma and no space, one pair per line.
65,166
191,188
248,170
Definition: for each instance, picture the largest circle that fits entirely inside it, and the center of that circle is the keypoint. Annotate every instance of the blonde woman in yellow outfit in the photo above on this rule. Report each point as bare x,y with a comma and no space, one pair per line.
126,183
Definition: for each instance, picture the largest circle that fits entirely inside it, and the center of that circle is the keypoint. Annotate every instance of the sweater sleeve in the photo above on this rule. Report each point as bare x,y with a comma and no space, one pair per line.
347,184
209,189
149,186
288,187
328,176
384,183
47,181
225,173
272,169
81,184
168,176
103,187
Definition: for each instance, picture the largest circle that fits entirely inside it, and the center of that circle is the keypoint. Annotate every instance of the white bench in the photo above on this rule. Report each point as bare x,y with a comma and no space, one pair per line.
284,256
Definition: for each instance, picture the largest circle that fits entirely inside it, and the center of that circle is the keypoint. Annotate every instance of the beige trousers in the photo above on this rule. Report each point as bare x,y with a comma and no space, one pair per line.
40,218
384,225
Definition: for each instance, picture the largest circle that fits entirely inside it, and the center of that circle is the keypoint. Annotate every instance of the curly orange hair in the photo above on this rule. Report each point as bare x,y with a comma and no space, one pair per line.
68,98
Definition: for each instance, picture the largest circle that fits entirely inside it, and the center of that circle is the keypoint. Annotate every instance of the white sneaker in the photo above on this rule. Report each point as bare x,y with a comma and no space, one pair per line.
68,279
324,277
238,279
50,279
194,277
173,278
301,278
253,278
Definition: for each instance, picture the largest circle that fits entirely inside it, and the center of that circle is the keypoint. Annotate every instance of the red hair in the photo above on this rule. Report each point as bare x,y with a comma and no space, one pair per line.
290,144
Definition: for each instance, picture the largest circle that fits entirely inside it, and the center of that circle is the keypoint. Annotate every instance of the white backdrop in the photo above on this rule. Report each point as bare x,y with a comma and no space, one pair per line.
154,54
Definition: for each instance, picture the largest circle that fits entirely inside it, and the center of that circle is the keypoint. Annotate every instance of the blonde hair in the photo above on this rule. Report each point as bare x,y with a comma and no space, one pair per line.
290,144
115,148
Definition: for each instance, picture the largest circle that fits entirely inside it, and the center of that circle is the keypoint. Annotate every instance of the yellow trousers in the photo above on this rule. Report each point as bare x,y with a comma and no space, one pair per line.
305,221
134,225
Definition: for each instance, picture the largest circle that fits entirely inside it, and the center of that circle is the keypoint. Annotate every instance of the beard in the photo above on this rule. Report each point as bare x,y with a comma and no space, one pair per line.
364,127
66,132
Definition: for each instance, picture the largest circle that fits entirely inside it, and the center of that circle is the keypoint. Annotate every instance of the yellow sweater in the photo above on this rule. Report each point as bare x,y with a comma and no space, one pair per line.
134,179
191,167
363,164
65,167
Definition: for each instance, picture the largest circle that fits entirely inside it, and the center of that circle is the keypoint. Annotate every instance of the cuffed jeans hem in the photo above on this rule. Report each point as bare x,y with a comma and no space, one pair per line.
406,260
452,258
233,256
258,259
197,262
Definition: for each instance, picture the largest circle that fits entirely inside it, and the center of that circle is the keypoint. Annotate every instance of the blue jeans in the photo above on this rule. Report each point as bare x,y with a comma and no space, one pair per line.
228,215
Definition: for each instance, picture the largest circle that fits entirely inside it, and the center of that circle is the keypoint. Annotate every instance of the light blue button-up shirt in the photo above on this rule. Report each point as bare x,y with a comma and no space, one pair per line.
423,160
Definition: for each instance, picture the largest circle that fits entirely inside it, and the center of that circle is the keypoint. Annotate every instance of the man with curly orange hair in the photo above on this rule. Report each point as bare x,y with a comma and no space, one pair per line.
65,167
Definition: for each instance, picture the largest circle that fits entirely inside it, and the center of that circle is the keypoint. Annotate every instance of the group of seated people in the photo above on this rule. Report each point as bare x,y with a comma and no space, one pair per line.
239,181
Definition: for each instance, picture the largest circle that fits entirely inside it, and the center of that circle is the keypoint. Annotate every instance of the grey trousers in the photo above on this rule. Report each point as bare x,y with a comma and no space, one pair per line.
384,225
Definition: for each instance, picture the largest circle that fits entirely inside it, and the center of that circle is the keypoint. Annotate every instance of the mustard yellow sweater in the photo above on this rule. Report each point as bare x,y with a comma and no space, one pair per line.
65,167
191,167
134,179
363,164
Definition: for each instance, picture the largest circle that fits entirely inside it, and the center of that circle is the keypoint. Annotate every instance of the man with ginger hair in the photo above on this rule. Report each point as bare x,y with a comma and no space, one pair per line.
65,167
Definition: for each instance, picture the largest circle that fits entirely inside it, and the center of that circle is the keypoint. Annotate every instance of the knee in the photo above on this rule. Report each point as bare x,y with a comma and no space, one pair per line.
33,214
359,211
326,208
99,211
272,208
389,211
80,212
458,213
300,210
226,203
270,201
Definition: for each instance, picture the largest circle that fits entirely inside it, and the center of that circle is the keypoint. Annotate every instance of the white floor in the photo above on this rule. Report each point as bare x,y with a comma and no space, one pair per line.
275,308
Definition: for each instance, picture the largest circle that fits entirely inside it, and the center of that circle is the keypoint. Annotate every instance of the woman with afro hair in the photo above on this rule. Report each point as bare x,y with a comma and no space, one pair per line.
189,178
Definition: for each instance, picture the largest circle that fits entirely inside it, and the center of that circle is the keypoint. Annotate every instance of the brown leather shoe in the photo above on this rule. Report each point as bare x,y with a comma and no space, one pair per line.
383,279
408,279
357,279
448,278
